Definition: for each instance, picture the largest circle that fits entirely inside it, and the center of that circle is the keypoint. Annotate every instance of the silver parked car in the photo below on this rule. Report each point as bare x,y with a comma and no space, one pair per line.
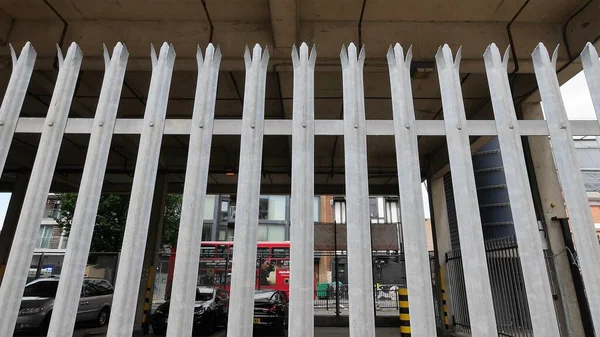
38,301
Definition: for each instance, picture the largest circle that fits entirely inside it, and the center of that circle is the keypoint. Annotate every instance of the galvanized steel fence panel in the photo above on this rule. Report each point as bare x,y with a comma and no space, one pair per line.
474,278
418,273
246,216
569,173
80,237
519,192
123,309
479,296
360,280
301,315
34,203
192,209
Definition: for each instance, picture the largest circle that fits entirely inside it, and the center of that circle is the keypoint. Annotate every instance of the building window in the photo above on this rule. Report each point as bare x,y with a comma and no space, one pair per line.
209,207
44,237
376,210
63,241
316,209
271,232
222,234
52,210
272,207
339,207
392,211
206,231
224,210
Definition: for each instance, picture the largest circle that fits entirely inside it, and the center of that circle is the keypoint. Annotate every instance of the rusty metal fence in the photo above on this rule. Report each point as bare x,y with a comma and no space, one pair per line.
474,273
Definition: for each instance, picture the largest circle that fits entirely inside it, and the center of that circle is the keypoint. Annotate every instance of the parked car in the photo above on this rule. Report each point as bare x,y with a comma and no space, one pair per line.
271,310
38,302
210,310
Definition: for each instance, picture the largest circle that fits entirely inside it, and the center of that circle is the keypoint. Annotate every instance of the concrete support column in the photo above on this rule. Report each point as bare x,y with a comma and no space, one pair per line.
552,206
155,229
214,230
442,242
11,218
287,218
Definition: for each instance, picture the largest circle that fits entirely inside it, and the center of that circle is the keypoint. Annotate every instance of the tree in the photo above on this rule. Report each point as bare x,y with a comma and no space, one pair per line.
111,218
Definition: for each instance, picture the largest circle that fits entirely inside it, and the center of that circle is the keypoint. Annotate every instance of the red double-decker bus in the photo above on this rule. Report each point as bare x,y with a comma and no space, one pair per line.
272,265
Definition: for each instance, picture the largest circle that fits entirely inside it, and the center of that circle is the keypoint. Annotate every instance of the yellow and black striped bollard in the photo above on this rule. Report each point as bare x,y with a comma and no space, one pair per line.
444,306
404,314
148,301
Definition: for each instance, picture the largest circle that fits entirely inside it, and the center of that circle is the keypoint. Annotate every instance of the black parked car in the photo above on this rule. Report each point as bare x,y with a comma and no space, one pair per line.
271,310
211,309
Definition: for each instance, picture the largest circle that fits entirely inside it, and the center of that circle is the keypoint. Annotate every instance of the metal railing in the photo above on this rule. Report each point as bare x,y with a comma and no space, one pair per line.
508,289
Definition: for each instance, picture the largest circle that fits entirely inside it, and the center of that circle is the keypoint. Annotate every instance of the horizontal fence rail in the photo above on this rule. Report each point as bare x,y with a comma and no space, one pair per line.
476,279
323,127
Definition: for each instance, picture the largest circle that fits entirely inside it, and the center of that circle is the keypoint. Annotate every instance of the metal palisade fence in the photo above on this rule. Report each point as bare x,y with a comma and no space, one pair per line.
475,271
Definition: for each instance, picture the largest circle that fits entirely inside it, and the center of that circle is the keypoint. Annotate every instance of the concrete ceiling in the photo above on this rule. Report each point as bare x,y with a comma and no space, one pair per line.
233,24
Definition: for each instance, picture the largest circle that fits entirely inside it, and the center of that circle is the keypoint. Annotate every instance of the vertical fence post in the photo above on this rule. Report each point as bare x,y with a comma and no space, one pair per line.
144,181
535,276
360,275
185,276
591,69
336,279
42,173
246,218
418,272
571,180
14,97
301,322
479,296
80,237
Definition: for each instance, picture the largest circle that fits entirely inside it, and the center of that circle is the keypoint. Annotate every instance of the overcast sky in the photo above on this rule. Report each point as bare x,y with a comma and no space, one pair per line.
575,95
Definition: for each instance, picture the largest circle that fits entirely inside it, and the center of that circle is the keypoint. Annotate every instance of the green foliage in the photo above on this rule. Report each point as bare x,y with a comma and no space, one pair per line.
111,218
171,219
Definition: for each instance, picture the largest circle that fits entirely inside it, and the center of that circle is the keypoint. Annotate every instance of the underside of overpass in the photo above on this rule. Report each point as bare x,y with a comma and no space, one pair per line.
278,24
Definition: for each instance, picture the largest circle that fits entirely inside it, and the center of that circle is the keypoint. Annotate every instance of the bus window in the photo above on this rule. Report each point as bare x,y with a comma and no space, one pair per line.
281,252
207,251
221,251
263,252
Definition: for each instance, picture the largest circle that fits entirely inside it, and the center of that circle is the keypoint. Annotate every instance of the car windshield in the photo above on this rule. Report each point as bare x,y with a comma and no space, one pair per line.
41,289
263,295
204,295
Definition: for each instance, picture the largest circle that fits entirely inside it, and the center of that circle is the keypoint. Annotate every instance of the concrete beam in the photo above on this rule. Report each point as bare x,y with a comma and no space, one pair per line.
6,25
583,28
425,37
284,23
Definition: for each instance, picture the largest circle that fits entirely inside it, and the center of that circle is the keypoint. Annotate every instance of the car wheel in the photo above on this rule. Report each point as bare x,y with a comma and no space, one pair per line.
158,331
103,317
280,329
42,330
212,325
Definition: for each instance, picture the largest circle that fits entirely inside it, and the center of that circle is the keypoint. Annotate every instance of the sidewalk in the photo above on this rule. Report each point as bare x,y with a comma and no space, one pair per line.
336,332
